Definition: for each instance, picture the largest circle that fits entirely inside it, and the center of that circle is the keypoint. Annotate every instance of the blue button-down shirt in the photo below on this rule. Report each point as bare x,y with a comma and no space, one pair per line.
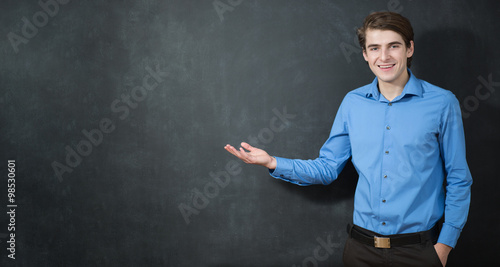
403,150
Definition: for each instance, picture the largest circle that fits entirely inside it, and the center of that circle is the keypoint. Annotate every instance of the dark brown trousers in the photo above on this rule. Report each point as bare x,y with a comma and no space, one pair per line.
358,254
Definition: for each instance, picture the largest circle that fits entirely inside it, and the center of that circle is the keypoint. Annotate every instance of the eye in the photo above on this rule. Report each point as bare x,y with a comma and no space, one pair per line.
373,49
395,46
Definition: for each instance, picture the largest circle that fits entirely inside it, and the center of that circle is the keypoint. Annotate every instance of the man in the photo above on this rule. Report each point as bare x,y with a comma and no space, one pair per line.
406,140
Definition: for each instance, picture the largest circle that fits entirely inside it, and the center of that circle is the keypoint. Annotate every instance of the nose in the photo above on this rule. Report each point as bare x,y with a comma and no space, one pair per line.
385,54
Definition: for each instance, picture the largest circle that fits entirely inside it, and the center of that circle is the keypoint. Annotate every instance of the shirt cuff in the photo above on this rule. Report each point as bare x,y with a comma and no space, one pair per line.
284,171
449,235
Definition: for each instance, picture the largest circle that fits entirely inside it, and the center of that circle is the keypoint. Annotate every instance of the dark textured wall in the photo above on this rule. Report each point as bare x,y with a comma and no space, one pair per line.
116,114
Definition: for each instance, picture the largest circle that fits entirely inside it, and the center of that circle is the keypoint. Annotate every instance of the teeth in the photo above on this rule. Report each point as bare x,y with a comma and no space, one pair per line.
385,67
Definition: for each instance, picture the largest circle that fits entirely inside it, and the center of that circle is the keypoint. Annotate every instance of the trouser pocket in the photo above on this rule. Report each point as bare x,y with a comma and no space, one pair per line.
433,256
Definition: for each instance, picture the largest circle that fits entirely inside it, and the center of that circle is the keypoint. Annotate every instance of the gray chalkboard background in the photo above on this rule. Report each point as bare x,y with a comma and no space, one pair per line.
116,114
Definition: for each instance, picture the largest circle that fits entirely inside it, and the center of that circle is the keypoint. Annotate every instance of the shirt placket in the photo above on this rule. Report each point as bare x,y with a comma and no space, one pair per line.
387,164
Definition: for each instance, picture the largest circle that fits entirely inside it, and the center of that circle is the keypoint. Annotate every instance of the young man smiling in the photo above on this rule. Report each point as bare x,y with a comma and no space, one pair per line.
406,140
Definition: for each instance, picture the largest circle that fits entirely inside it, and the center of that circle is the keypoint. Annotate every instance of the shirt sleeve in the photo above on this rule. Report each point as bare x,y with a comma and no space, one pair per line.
326,168
458,176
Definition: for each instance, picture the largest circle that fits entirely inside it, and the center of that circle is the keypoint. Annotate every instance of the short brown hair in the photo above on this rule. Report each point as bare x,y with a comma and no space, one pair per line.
387,21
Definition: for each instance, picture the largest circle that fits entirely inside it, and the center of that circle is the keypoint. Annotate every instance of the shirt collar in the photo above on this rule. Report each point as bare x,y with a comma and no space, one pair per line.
412,87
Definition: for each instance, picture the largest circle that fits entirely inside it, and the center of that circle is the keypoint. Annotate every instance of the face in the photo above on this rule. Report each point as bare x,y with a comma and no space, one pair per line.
386,54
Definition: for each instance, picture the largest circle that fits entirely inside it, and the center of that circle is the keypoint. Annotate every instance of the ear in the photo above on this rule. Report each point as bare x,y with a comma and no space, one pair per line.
365,55
410,50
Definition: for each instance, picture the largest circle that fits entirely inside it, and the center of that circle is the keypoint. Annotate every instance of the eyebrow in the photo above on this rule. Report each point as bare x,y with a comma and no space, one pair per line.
391,43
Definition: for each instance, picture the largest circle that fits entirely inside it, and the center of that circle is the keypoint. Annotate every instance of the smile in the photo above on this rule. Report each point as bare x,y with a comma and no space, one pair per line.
386,67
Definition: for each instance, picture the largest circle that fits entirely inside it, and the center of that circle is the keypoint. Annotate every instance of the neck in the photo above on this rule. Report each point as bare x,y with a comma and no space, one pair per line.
391,90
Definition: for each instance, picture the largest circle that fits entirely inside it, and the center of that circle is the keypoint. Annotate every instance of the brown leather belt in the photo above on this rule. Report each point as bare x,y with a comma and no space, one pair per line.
387,241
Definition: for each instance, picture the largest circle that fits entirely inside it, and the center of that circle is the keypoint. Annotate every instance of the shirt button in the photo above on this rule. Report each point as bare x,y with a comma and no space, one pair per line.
383,200
383,223
385,176
386,152
390,104
388,127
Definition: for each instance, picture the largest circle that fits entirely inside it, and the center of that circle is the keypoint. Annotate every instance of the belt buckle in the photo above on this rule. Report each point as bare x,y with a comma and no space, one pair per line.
382,242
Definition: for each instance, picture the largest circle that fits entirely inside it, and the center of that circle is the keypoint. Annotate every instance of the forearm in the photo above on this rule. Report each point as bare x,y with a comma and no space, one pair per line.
307,172
456,211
